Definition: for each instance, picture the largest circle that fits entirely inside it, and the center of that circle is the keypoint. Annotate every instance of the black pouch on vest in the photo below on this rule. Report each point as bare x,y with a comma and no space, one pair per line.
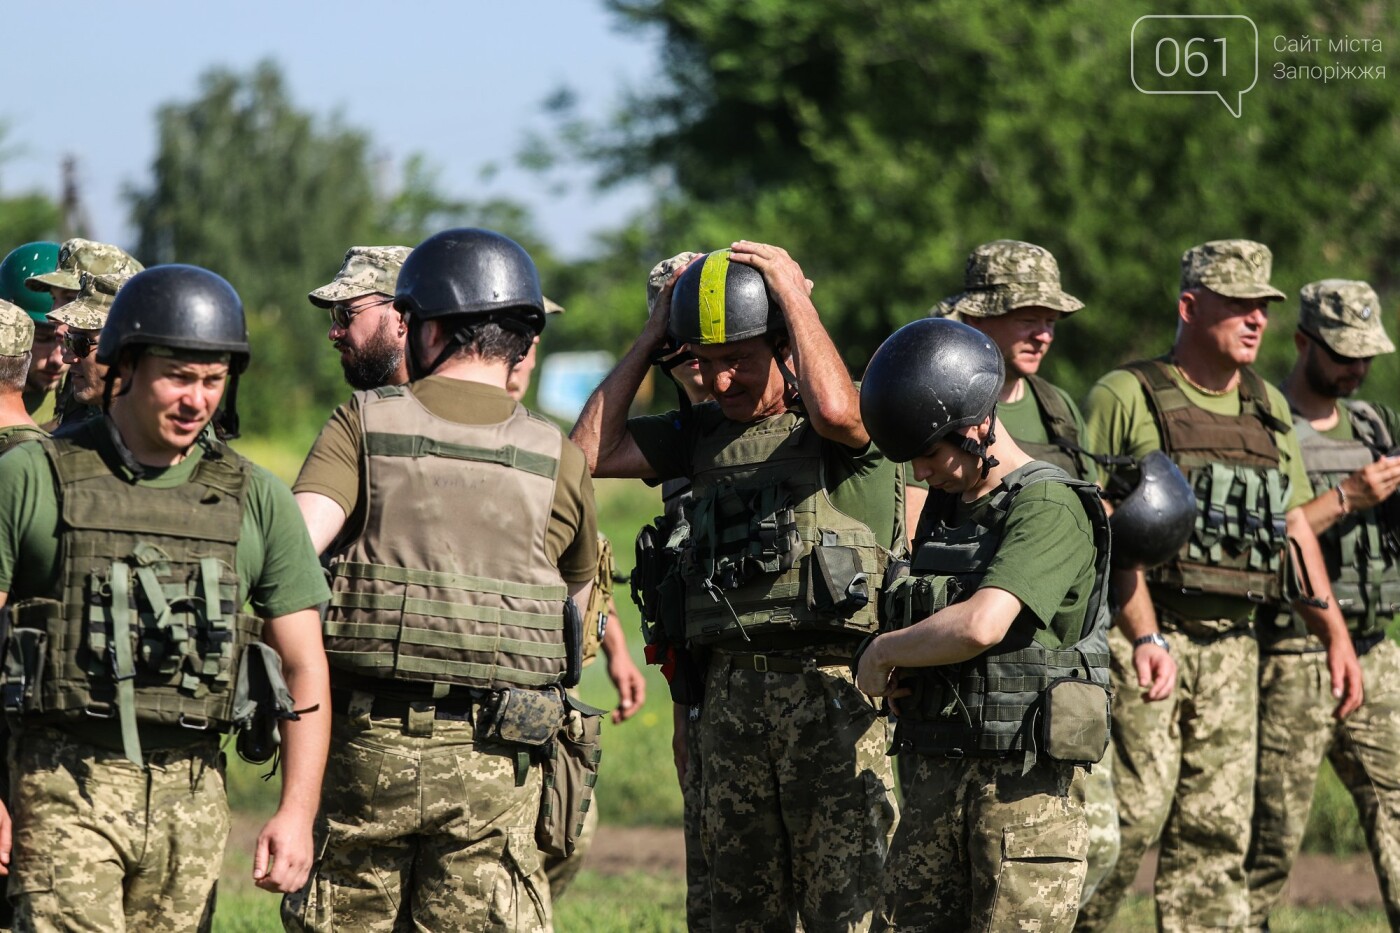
23,670
835,582
525,717
570,772
573,643
261,700
1074,721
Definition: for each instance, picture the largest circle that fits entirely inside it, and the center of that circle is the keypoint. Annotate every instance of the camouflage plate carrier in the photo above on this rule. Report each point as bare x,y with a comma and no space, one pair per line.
1063,449
1232,463
1017,698
145,627
768,551
448,581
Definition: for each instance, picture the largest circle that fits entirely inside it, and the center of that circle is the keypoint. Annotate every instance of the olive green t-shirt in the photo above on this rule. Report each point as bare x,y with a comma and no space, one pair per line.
333,468
861,483
1342,430
1118,421
1045,559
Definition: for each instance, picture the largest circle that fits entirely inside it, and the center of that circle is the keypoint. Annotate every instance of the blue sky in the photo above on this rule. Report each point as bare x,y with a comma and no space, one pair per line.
461,83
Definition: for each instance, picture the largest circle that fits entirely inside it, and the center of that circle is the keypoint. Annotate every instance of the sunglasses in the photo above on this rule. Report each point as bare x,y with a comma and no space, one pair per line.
1337,358
342,314
79,344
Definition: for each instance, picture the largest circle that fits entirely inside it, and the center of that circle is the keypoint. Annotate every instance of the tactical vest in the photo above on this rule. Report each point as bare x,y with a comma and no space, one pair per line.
1232,462
595,614
145,625
996,704
20,435
1362,560
1063,448
448,580
768,551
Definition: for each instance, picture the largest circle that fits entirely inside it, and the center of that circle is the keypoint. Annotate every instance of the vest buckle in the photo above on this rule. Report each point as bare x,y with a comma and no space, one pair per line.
100,710
760,663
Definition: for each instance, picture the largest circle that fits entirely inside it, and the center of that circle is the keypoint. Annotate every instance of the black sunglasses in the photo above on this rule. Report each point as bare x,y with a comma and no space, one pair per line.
342,314
79,344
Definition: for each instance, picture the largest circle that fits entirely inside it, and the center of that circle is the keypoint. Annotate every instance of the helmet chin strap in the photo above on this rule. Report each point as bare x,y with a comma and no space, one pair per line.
979,449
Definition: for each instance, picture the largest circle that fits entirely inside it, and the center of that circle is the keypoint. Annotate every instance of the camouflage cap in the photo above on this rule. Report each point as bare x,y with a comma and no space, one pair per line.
661,273
89,310
367,270
16,329
1233,268
77,256
1345,315
1005,275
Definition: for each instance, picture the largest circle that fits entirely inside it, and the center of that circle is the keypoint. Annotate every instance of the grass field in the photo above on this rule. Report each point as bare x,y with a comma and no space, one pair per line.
638,786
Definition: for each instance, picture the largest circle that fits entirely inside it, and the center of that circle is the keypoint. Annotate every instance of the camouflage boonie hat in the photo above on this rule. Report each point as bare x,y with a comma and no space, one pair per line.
89,310
367,270
77,256
1005,275
1233,268
16,330
1345,315
661,273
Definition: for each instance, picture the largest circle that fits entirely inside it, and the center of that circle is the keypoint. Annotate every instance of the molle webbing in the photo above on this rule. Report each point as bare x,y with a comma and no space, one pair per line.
146,625
1063,449
768,550
448,580
1232,463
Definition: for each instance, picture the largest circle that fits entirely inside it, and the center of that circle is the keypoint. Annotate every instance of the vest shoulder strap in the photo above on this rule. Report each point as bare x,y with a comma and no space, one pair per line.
1369,426
1054,411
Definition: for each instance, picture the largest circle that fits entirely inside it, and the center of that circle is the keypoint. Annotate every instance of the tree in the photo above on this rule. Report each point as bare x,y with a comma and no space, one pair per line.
24,217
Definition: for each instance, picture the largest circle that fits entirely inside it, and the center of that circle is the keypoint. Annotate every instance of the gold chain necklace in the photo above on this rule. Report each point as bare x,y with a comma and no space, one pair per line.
1214,393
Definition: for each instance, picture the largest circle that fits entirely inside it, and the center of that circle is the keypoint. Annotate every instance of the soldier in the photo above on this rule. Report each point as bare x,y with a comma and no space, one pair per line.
1347,447
365,328
793,518
46,366
127,549
471,529
1012,294
16,337
1186,767
993,653
80,326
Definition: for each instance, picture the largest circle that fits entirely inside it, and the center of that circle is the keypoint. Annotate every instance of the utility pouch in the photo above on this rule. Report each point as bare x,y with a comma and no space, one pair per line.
835,581
1074,721
570,772
688,680
524,717
261,700
573,643
23,670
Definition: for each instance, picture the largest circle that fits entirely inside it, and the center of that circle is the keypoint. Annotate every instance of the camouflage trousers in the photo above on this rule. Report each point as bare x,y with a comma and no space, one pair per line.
697,870
982,846
1296,730
797,802
1101,819
1184,771
102,845
422,831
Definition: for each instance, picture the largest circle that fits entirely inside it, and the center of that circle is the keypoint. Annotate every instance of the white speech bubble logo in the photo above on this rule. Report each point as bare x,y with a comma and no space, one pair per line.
1238,107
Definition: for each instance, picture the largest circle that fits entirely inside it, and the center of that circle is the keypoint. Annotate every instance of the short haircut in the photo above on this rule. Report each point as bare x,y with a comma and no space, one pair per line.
13,370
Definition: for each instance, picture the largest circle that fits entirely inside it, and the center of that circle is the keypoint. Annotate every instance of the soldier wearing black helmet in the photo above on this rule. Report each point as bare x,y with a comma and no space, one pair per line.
129,546
465,533
793,516
993,650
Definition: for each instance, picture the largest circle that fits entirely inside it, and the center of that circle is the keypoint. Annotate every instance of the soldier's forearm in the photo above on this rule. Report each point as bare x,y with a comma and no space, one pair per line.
602,425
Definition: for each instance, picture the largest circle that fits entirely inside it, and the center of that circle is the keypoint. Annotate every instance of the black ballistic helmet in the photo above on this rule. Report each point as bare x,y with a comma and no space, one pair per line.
1154,521
929,378
718,301
177,306
469,271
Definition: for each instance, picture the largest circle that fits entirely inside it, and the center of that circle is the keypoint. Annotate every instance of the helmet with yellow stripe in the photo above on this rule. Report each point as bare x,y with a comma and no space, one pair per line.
719,301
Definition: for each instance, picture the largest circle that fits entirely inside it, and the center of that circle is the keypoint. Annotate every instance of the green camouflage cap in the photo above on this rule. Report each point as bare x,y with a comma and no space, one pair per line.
661,273
16,329
77,256
367,270
1005,275
1345,315
89,310
1233,268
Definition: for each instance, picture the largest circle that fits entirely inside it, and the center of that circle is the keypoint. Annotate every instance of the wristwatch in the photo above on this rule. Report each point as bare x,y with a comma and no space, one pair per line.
1154,639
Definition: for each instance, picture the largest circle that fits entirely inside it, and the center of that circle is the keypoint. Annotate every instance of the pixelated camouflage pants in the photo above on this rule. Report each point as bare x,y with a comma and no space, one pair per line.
1184,769
981,846
1101,821
697,870
1296,730
422,832
102,845
798,807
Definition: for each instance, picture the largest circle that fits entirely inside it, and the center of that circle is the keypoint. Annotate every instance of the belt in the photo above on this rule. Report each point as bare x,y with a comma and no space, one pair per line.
781,664
1364,643
458,708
